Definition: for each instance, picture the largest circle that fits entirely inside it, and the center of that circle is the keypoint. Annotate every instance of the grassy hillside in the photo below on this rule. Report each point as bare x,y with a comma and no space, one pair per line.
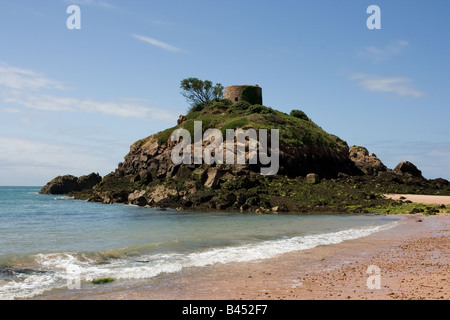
296,129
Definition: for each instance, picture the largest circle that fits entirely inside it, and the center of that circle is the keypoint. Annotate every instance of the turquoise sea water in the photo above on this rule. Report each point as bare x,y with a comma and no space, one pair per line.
48,241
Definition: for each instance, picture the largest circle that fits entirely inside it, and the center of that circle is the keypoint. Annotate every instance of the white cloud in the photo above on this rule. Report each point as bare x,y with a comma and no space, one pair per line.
399,86
21,79
30,89
157,43
124,108
382,54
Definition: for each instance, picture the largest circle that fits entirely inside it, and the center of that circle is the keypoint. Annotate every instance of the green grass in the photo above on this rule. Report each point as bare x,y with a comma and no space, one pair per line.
294,130
239,123
163,136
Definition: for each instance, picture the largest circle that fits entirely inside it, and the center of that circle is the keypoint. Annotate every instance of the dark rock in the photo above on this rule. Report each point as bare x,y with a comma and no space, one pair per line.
121,196
407,168
138,198
389,177
252,201
225,201
61,185
439,183
141,202
89,181
184,172
187,203
68,183
145,177
431,211
415,210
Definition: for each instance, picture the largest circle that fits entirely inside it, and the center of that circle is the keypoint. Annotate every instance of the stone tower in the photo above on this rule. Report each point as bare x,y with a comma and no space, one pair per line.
251,94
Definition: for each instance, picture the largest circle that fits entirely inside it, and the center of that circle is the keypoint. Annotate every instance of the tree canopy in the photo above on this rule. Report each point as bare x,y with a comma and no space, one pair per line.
197,91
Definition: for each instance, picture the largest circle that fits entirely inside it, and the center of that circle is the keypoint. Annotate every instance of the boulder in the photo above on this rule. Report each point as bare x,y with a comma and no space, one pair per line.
367,162
407,168
313,178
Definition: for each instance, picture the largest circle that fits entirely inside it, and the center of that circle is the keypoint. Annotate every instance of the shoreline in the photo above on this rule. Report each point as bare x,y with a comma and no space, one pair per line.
413,258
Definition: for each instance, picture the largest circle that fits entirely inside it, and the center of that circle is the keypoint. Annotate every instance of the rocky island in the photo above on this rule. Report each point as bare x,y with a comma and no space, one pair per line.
318,171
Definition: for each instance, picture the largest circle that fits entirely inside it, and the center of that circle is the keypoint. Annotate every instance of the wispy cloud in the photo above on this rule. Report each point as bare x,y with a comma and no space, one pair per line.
377,54
22,79
9,110
157,43
399,86
126,108
33,90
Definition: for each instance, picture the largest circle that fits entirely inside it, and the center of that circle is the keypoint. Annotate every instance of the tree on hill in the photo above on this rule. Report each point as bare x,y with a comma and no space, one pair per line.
198,92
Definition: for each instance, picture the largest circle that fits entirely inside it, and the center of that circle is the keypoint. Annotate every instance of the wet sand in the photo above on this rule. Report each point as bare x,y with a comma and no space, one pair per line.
413,259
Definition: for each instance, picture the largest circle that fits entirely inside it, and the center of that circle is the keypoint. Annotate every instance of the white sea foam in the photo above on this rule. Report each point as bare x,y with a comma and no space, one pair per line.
88,269
63,198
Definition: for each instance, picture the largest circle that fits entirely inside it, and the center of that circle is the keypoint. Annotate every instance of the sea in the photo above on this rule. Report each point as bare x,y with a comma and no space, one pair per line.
50,243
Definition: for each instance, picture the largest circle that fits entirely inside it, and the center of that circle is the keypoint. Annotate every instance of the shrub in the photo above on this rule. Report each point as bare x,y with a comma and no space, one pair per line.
221,104
192,115
234,124
227,102
299,114
241,105
217,104
163,136
198,107
257,108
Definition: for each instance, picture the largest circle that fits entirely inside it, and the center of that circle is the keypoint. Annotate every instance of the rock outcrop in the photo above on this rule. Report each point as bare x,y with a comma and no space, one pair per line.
407,168
317,170
68,183
367,162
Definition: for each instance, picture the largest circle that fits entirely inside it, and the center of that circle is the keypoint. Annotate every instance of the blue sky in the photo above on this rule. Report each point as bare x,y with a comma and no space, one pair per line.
73,101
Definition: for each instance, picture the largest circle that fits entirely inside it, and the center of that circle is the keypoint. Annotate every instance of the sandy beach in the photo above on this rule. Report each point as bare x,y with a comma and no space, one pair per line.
413,260
425,199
